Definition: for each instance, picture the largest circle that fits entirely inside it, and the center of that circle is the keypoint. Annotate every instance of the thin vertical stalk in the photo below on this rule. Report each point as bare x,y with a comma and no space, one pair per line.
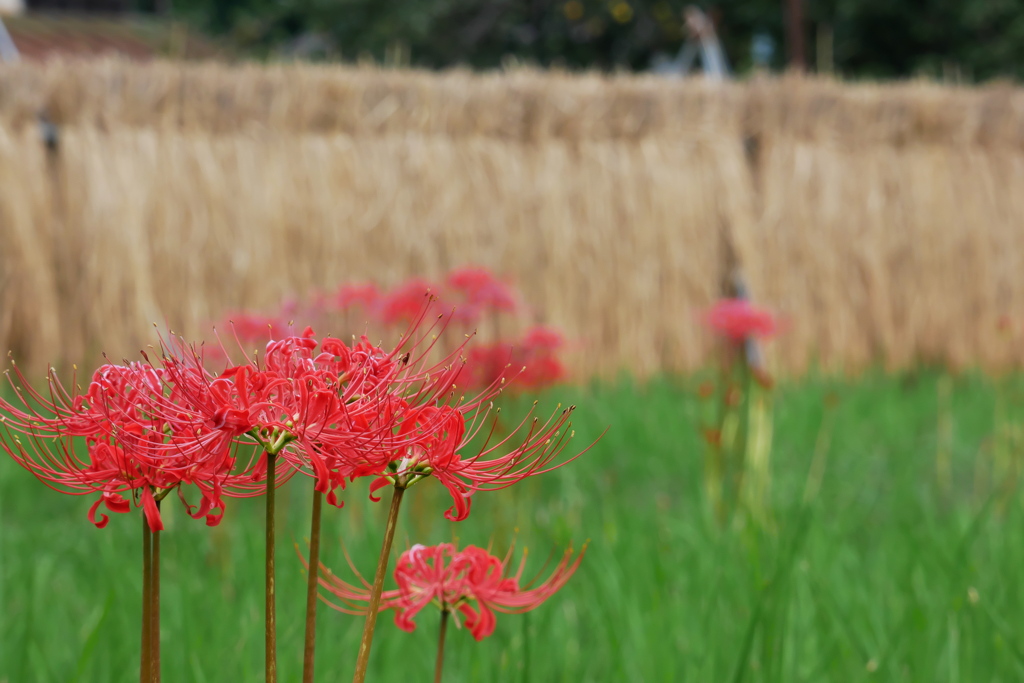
440,646
145,661
154,609
715,459
271,611
313,574
526,647
740,465
943,453
378,587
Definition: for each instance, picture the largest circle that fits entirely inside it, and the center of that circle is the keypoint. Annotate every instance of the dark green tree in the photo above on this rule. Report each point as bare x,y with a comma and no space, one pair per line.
975,39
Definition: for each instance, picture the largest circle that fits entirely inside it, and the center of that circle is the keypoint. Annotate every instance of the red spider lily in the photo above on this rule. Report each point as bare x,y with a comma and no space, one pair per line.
540,372
434,435
404,304
541,366
330,410
365,295
426,433
469,582
251,326
542,338
488,363
128,448
480,290
481,286
533,361
737,319
287,399
376,390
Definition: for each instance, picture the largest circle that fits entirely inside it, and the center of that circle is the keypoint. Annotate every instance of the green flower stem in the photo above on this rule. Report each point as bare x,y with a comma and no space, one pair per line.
378,587
145,661
440,646
313,573
271,611
154,609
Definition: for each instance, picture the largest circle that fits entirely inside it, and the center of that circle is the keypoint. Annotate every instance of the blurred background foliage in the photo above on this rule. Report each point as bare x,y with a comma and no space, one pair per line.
951,39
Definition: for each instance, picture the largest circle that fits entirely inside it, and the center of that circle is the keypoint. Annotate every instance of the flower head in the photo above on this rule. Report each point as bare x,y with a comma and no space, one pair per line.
132,453
434,440
737,319
364,295
481,290
533,361
318,404
470,583
253,327
405,303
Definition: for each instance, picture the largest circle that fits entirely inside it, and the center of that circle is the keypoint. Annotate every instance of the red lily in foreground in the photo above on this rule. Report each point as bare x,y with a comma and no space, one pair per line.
436,435
468,584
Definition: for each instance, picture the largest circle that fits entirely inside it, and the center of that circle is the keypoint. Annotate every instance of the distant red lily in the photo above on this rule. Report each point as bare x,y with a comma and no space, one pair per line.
738,319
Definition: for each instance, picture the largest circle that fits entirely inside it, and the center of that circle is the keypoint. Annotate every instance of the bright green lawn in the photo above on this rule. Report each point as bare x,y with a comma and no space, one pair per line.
885,576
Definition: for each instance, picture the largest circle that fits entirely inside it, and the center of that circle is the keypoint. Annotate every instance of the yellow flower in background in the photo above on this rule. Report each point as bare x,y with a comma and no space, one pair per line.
622,12
573,10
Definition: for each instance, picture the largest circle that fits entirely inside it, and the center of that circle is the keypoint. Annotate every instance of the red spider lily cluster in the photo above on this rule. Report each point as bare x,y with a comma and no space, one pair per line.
470,297
332,411
533,360
469,583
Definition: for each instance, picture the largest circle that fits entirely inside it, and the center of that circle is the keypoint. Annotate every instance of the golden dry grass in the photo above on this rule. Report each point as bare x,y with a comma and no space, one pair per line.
883,222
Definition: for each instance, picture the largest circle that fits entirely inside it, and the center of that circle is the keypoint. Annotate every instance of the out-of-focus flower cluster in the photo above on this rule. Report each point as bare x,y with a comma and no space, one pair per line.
468,298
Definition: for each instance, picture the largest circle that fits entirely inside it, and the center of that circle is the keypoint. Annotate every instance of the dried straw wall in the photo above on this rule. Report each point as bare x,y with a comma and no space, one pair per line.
884,222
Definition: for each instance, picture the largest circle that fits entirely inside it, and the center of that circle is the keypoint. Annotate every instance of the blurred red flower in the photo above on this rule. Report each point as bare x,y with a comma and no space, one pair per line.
482,290
737,319
405,303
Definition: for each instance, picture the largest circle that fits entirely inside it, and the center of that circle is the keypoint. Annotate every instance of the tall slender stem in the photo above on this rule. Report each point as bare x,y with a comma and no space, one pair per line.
154,609
271,611
145,660
440,646
378,587
313,574
526,647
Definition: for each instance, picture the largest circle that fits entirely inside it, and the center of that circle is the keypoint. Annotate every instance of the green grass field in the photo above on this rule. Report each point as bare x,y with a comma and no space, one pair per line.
897,570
